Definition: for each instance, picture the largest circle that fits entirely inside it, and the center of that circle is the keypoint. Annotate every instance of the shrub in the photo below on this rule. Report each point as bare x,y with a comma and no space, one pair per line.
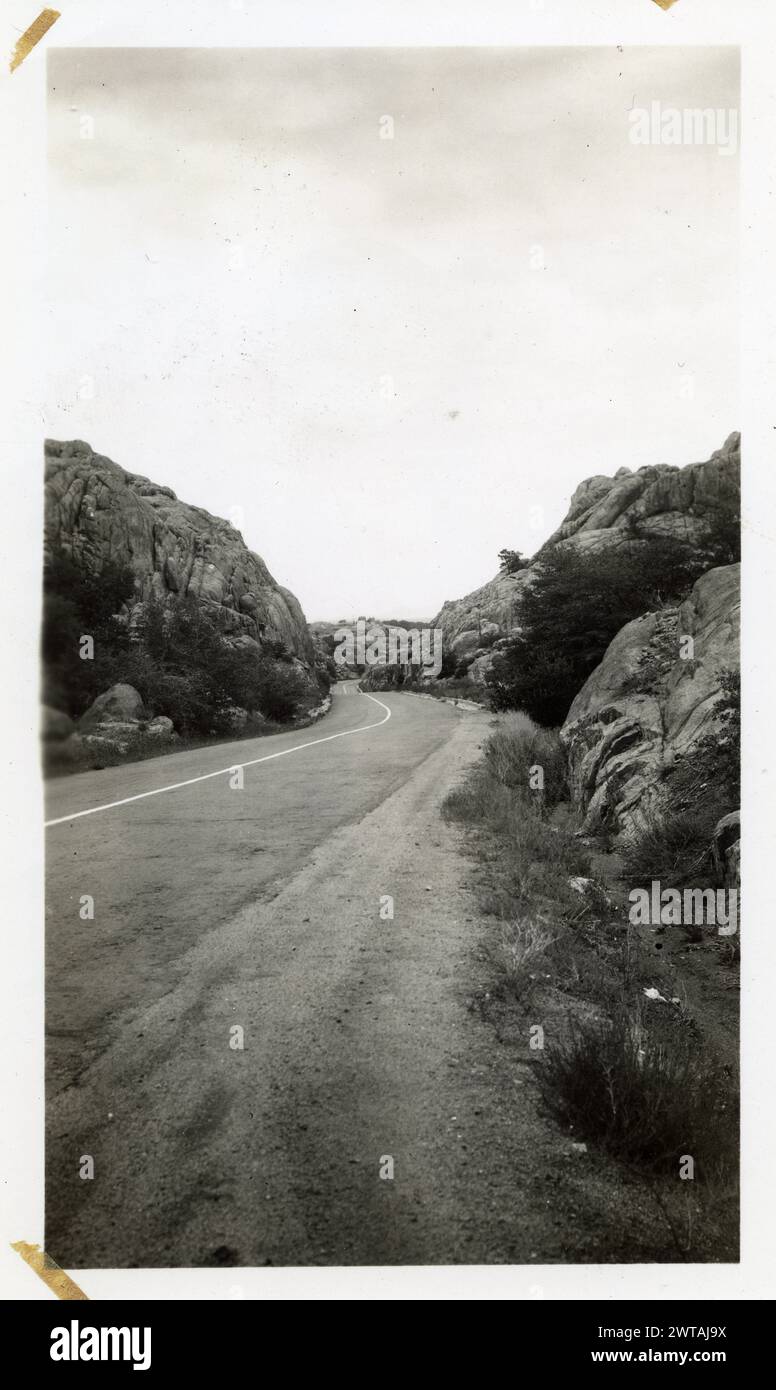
673,846
97,598
542,681
469,803
535,859
198,676
519,746
326,672
77,604
177,656
658,658
278,692
511,561
647,1103
574,605
276,647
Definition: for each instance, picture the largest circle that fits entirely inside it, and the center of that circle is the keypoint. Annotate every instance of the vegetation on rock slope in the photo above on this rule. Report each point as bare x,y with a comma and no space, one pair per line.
175,653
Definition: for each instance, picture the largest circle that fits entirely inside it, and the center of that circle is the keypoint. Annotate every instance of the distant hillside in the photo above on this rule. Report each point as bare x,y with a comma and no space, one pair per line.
322,634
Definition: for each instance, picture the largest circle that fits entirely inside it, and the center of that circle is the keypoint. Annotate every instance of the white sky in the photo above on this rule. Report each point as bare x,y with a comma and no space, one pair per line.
238,261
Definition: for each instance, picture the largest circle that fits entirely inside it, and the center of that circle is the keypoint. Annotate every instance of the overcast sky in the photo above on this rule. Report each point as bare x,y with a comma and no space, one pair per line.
377,356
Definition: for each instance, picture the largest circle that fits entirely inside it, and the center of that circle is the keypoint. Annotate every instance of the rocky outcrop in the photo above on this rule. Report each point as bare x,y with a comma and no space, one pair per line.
658,499
122,704
653,696
98,512
495,604
117,718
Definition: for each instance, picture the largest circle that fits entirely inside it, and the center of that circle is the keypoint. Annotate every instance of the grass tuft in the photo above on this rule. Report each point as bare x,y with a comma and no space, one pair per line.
674,848
519,951
646,1103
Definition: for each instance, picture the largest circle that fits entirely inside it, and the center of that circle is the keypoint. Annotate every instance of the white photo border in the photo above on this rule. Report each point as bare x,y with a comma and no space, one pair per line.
749,25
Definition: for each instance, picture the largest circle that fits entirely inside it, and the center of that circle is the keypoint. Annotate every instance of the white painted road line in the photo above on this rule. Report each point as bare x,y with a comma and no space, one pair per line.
224,771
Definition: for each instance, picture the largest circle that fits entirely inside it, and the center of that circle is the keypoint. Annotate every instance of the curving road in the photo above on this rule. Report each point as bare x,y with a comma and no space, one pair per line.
219,908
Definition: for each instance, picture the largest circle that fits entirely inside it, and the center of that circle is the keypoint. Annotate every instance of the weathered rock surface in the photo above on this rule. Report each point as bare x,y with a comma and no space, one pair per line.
477,672
727,849
98,512
122,704
645,706
496,603
161,727
237,718
659,498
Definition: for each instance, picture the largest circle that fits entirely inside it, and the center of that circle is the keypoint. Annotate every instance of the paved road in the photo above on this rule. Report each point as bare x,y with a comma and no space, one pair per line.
370,1115
168,867
259,908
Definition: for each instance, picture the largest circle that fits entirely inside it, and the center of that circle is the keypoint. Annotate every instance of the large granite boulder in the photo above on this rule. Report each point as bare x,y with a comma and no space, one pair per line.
471,639
114,720
652,697
161,727
122,704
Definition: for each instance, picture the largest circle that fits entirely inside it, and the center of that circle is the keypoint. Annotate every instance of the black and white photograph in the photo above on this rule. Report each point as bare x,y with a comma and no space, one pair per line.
386,637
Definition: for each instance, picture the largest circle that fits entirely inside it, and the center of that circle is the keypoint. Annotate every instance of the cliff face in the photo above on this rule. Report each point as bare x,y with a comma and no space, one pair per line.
98,512
659,498
645,706
495,603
